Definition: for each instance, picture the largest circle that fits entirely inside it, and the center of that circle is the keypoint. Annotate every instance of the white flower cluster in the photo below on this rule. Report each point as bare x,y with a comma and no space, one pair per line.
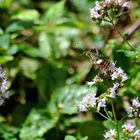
91,102
118,73
128,127
117,76
94,81
110,134
100,8
136,134
113,89
134,110
130,131
115,73
3,85
3,80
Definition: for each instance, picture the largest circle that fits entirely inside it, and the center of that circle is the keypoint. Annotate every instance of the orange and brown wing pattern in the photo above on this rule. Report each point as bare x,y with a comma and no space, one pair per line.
97,59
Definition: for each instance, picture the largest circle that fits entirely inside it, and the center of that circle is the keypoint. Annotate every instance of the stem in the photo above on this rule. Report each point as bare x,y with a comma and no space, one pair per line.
124,117
136,121
125,40
108,118
104,116
107,113
114,115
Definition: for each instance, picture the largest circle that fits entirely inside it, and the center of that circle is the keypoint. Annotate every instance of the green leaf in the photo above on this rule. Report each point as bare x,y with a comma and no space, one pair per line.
29,51
55,11
63,46
69,137
44,46
128,53
37,124
4,59
83,5
13,49
109,124
33,52
131,54
8,132
29,67
2,119
93,129
27,15
84,138
67,98
4,41
50,77
5,3
1,31
110,114
14,27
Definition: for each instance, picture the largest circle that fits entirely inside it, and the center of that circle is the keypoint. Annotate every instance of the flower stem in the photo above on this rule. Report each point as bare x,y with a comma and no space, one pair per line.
124,117
104,116
115,119
107,113
125,40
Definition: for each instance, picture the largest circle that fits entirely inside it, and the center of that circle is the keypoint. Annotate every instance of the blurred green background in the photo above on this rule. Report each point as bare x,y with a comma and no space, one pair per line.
41,45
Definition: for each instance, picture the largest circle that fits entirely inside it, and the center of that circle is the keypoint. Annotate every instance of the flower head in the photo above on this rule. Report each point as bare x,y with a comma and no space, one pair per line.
126,4
128,127
118,73
111,67
3,81
101,103
136,134
107,1
91,83
122,3
95,80
1,101
135,102
89,101
94,14
113,90
3,85
134,110
99,11
111,133
98,6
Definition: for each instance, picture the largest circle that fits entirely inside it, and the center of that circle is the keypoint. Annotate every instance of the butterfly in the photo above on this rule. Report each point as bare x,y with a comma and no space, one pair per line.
97,59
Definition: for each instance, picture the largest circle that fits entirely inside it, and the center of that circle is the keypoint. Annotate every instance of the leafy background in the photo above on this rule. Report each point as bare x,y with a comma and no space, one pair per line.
41,45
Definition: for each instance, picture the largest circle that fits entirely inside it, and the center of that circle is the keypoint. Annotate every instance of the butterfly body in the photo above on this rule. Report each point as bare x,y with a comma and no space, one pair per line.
104,64
97,59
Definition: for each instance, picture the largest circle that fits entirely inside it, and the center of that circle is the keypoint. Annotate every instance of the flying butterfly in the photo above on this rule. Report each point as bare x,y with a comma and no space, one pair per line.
97,59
